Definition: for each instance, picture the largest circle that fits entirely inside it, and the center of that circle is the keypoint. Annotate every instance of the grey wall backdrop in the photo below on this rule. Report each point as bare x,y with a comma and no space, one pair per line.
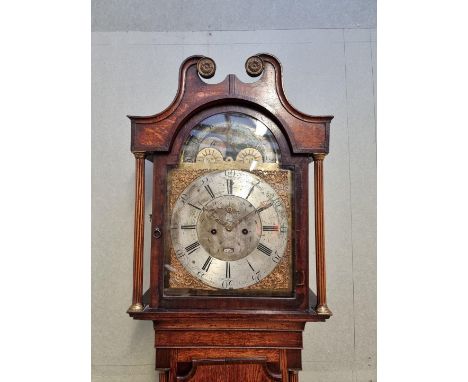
328,52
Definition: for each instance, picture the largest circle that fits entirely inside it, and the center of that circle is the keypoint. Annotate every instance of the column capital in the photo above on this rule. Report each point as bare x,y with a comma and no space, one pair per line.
318,156
293,376
139,155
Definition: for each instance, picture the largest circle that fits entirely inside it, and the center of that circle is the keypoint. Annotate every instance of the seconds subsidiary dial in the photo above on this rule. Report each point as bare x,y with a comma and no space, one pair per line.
229,229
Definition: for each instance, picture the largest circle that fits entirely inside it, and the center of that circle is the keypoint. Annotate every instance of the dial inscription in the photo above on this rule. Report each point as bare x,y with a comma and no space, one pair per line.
226,229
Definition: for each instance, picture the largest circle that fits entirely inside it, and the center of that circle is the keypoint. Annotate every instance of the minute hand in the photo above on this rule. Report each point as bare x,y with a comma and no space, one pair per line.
250,213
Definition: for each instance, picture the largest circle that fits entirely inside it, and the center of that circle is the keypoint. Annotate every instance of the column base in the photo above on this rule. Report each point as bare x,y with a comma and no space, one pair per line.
138,307
323,310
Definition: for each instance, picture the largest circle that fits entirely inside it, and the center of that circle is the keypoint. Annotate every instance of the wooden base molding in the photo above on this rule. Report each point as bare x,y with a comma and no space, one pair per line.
222,350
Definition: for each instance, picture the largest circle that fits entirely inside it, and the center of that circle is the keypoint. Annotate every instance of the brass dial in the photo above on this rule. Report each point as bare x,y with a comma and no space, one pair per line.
229,229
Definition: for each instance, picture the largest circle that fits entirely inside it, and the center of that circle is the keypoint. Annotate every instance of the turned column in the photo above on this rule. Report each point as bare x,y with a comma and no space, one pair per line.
321,307
293,376
163,376
138,238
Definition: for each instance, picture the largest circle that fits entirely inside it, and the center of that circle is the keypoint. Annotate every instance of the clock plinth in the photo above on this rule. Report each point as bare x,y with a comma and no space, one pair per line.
229,273
228,346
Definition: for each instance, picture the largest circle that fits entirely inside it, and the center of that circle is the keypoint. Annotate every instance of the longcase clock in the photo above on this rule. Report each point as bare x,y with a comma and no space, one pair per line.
229,282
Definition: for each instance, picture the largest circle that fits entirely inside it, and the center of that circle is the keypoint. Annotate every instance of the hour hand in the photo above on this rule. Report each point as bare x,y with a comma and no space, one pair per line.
263,207
216,218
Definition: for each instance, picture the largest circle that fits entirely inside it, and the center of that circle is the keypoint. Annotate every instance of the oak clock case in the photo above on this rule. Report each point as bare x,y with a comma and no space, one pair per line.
229,288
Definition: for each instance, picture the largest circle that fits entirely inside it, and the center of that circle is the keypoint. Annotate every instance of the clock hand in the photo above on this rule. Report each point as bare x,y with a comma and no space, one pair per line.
235,223
216,218
264,207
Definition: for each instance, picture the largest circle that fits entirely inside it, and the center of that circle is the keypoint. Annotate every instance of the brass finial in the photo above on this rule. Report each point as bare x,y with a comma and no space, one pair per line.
206,67
254,66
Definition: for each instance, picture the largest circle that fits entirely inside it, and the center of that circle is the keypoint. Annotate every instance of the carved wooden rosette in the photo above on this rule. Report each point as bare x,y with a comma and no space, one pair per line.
206,67
254,66
138,239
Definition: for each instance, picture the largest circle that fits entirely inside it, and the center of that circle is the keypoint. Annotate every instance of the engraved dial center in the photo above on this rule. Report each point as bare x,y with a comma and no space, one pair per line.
236,223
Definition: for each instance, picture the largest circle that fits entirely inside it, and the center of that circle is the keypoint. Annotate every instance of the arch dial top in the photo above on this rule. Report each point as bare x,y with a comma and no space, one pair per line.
230,137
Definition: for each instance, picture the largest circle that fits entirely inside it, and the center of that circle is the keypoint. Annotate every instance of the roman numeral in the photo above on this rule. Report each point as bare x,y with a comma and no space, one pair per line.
250,265
210,191
262,248
207,264
229,184
192,247
270,228
264,207
191,205
188,226
228,270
